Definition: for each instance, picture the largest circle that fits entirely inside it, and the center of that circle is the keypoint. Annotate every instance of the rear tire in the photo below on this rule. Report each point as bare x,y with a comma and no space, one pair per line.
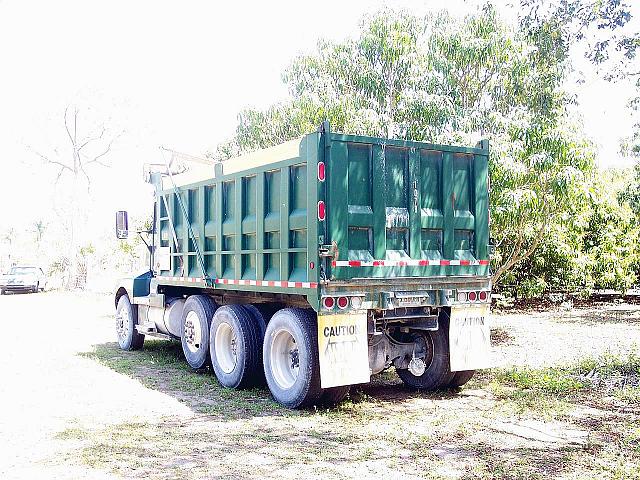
290,355
460,378
235,347
194,330
126,322
437,373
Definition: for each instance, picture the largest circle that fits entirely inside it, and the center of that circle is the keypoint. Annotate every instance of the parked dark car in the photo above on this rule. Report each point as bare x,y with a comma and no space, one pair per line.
23,279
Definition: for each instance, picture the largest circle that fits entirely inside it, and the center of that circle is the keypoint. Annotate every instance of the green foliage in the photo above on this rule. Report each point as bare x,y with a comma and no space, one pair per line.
608,371
549,380
598,246
609,365
600,28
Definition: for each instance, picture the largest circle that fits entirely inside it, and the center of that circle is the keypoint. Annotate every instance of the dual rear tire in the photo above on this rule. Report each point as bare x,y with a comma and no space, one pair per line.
437,374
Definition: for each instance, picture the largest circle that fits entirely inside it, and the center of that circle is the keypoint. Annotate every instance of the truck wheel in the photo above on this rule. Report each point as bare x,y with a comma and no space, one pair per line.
334,395
460,378
126,321
290,356
195,324
436,374
235,344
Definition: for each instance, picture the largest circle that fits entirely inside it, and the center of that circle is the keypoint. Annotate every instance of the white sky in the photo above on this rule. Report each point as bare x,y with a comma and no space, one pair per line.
175,74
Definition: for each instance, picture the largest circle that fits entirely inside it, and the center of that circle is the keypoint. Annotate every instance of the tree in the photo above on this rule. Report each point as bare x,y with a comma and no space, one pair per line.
597,247
603,31
600,28
39,229
447,80
85,152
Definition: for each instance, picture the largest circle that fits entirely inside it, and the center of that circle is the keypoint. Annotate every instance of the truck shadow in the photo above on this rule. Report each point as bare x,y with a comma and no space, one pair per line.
161,366
379,423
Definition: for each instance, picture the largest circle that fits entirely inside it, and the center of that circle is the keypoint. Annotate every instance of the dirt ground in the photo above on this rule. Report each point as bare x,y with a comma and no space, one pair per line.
74,406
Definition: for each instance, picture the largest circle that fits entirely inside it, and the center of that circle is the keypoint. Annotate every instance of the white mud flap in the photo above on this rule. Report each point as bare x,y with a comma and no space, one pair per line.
343,349
469,343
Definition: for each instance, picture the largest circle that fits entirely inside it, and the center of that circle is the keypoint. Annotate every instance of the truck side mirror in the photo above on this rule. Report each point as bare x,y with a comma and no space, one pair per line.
122,224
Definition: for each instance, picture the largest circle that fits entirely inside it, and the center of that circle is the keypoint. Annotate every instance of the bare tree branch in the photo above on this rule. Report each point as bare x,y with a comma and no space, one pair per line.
92,139
48,160
96,159
84,172
66,126
59,175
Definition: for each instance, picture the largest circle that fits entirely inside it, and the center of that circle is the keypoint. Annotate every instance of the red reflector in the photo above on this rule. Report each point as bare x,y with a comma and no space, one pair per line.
312,265
473,296
343,302
483,296
321,211
328,302
321,174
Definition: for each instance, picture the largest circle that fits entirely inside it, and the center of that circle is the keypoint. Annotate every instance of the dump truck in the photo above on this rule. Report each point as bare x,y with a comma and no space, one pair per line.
315,264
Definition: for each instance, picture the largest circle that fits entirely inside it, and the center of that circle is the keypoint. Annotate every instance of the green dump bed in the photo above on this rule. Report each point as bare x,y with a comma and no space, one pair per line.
333,210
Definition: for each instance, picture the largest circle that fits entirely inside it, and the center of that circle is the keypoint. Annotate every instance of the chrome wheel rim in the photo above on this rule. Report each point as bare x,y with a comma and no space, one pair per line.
192,332
226,344
285,360
122,323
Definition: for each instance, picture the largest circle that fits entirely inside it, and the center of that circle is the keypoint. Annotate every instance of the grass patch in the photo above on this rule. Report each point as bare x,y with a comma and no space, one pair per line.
567,380
554,391
554,381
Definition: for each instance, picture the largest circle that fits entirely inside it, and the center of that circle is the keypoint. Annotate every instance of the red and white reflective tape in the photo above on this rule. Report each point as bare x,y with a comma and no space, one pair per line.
182,279
408,263
266,283
252,283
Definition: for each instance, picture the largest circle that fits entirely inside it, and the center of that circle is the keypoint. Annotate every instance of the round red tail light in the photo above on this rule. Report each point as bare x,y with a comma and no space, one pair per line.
483,296
321,211
343,302
473,296
328,302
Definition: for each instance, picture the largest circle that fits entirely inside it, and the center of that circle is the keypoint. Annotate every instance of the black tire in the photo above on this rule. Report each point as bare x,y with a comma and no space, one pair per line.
2,291
195,324
244,369
35,289
289,328
259,317
460,378
126,322
334,395
437,374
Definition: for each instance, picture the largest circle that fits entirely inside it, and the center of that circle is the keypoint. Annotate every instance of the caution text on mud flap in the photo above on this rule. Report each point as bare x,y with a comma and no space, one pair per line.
343,351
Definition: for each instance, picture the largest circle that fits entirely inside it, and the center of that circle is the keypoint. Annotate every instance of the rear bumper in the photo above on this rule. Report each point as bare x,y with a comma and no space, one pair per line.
390,293
401,284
